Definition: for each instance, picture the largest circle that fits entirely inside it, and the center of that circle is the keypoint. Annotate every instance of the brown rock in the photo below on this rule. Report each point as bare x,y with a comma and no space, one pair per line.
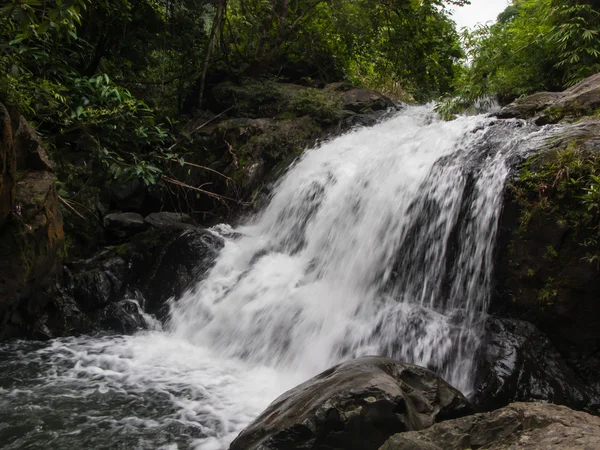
361,100
30,151
531,426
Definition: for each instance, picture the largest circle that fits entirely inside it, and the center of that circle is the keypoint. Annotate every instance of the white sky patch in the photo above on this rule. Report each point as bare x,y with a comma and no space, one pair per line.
479,11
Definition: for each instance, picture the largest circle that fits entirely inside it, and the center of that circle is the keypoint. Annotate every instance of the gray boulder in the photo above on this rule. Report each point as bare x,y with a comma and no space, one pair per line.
550,107
123,225
531,426
168,219
356,405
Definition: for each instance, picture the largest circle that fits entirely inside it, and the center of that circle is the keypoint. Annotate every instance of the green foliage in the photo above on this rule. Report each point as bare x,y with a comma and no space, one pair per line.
251,97
321,107
562,184
576,33
401,47
536,45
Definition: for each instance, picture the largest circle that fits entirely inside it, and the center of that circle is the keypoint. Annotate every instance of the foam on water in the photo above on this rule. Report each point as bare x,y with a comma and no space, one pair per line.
378,242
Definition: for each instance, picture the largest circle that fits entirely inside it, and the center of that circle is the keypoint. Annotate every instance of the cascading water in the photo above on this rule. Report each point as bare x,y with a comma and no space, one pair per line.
378,242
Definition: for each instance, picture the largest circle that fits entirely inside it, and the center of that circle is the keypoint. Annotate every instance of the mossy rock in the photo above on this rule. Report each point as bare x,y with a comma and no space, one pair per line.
548,263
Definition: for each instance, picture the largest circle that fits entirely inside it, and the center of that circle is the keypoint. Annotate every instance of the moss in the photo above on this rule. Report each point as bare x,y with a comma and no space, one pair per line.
323,108
560,183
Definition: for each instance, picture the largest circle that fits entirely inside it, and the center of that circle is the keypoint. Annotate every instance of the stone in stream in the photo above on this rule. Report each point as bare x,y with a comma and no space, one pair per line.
518,363
155,266
531,426
356,405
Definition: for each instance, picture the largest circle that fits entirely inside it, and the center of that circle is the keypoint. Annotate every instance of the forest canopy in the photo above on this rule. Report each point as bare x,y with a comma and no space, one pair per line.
115,76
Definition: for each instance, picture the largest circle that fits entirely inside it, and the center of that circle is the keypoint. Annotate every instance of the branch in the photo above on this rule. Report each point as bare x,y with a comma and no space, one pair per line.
208,193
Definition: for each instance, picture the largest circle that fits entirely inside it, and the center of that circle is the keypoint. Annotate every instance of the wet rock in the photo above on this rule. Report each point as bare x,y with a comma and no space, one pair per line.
531,426
550,107
519,363
355,405
124,317
545,269
168,219
157,265
99,286
123,225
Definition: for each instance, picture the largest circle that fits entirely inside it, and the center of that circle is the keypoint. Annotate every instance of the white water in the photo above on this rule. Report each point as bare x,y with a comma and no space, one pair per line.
378,242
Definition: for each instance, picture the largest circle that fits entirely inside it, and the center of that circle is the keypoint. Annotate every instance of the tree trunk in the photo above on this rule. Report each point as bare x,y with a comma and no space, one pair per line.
216,26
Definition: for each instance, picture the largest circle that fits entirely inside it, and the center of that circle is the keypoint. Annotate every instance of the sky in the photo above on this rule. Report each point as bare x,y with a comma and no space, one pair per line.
479,11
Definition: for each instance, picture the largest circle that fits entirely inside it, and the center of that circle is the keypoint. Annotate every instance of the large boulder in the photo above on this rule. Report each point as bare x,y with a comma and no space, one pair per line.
550,107
527,426
361,100
548,250
518,363
124,225
150,269
355,405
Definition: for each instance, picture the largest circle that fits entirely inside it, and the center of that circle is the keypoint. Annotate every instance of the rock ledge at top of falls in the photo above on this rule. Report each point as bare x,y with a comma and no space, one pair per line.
551,107
355,405
532,426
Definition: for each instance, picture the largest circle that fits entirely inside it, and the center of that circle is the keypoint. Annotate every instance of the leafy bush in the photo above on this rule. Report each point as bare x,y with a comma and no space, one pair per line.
536,45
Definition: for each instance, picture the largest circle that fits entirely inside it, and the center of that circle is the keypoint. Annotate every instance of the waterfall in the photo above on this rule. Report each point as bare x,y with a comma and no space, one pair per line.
378,242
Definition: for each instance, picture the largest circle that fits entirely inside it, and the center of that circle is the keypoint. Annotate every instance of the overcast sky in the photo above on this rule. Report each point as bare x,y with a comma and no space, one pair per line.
479,11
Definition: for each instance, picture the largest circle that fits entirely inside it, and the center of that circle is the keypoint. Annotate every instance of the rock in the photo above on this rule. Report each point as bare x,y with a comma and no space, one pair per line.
544,273
123,225
174,266
550,107
32,241
168,219
155,266
527,107
355,405
360,100
31,237
30,150
518,363
123,317
100,286
531,426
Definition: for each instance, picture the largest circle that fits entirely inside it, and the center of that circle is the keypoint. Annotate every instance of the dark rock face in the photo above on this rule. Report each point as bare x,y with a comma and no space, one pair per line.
356,405
544,274
154,267
531,426
31,235
519,363
550,107
167,219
